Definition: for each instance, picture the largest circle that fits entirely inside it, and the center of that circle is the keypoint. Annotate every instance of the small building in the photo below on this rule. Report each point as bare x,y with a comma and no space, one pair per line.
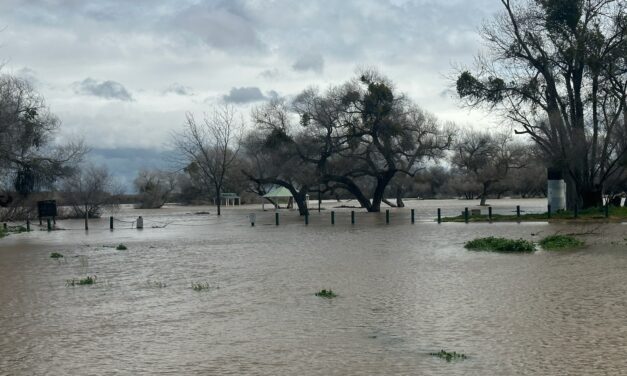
278,194
229,199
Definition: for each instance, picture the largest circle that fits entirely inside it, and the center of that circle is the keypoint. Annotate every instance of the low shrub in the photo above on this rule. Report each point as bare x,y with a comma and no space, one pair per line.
504,245
56,255
121,247
560,242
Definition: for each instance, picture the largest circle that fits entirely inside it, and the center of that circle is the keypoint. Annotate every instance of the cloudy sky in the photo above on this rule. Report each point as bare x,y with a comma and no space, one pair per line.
121,74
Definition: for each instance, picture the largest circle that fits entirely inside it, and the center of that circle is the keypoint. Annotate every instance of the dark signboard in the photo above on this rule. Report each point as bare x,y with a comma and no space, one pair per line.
47,208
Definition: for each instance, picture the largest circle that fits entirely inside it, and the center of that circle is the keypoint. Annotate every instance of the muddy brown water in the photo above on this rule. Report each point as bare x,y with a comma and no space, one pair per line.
404,291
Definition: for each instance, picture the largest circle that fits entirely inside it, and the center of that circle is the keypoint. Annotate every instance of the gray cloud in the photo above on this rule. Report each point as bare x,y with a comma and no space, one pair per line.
105,89
244,95
178,89
309,62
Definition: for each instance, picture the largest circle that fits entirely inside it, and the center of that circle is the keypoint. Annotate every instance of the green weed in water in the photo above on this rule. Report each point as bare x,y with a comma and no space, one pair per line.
200,286
121,247
560,242
157,284
494,244
56,255
326,294
449,356
89,280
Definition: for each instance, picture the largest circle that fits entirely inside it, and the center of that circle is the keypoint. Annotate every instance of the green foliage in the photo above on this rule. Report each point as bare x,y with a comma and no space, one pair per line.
56,255
11,230
121,247
500,245
560,242
89,280
449,356
200,286
3,233
326,294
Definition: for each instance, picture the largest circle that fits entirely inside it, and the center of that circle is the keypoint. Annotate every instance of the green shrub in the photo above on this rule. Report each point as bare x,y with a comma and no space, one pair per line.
449,356
89,280
121,247
560,242
500,245
326,294
56,255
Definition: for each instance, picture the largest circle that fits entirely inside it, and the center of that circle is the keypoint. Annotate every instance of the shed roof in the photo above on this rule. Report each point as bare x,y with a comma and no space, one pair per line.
278,192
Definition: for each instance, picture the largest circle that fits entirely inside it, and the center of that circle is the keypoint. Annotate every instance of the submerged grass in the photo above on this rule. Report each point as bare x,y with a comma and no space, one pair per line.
560,242
157,284
56,255
121,247
504,245
200,286
89,280
326,294
449,356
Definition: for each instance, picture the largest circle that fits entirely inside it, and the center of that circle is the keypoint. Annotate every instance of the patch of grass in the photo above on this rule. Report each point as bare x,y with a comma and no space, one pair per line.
200,286
449,356
89,280
56,255
157,284
504,245
121,247
326,294
560,242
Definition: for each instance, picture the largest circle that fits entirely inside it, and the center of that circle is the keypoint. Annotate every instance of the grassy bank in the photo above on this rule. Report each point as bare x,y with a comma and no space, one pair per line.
588,215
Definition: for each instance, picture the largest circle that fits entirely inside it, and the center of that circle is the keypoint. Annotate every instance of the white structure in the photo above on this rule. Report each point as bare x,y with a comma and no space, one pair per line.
277,193
229,199
556,192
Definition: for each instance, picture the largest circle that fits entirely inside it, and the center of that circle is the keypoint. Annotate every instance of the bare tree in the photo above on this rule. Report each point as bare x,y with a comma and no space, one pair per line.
557,70
154,187
211,146
90,190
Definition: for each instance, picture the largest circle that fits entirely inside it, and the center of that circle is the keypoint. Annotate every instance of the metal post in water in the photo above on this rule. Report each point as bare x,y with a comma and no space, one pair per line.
413,216
576,211
518,211
439,215
28,225
111,223
276,219
49,224
352,217
490,213
607,210
252,218
387,216
466,215
548,207
86,221
332,217
306,219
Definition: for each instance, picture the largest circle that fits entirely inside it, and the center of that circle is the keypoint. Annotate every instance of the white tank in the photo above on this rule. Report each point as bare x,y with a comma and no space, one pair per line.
557,194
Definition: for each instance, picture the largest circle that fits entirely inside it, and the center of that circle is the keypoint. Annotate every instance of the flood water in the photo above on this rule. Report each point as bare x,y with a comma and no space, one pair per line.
404,291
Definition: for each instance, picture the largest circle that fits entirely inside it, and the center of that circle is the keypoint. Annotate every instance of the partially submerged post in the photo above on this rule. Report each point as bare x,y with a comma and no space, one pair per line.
252,218
140,223
439,215
276,219
111,223
332,217
413,216
556,192
352,217
466,215
490,213
518,211
387,216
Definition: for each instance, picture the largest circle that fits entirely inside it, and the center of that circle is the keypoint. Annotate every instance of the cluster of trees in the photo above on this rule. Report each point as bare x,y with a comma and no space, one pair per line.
555,70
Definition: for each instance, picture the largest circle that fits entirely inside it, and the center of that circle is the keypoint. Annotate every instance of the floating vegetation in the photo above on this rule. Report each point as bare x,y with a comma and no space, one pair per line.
449,356
560,242
200,286
56,255
157,284
89,280
121,247
504,245
326,294
11,230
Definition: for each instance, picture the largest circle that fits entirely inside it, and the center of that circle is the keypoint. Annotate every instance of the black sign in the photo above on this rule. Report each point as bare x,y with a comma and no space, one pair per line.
47,208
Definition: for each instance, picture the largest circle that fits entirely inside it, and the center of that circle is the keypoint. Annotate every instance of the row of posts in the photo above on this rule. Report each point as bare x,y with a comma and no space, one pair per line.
439,215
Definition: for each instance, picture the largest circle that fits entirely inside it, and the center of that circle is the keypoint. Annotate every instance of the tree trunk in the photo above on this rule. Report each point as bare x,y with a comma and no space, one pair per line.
399,197
218,201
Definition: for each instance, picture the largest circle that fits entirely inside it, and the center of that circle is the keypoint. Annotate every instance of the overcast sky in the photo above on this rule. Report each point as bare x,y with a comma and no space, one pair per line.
122,73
